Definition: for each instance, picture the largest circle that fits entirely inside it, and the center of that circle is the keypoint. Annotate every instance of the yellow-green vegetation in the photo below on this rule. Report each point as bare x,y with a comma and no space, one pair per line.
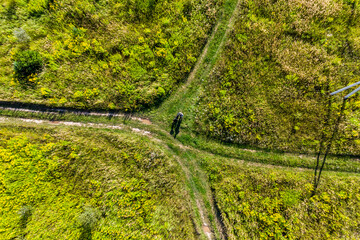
124,54
259,202
27,65
270,86
98,184
71,183
262,83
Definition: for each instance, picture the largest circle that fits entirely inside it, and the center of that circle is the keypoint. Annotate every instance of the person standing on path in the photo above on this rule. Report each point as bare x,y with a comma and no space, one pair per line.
175,126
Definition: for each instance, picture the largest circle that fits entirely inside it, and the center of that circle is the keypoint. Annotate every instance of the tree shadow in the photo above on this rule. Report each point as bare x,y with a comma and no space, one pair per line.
88,220
25,213
11,10
86,233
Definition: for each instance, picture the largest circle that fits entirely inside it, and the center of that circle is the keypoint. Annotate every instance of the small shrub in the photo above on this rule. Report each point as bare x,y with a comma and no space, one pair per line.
21,35
24,212
27,64
78,95
87,221
290,197
111,106
161,92
89,217
77,32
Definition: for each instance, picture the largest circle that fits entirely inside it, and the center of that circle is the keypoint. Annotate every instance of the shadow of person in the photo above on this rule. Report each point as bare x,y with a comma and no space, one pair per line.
175,126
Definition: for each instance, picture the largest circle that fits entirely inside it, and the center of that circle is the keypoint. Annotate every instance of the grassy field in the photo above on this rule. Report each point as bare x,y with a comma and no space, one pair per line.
75,183
124,55
99,183
270,86
255,103
260,202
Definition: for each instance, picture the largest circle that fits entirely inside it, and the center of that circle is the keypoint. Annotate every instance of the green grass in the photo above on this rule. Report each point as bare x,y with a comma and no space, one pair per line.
184,99
247,153
216,172
260,202
270,85
89,184
105,55
92,183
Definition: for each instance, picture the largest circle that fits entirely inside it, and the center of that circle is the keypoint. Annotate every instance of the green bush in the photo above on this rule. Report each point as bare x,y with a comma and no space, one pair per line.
25,213
89,217
27,65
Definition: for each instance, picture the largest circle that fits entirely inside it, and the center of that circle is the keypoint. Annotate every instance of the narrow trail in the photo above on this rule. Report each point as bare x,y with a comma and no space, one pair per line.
182,101
186,97
205,228
201,59
144,132
76,124
228,29
61,111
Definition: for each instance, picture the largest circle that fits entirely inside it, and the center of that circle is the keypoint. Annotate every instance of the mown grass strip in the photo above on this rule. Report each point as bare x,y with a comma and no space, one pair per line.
349,164
185,98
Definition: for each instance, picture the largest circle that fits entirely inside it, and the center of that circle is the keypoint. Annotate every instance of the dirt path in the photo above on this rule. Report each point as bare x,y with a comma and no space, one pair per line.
211,230
206,48
77,124
200,60
61,111
205,227
202,70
